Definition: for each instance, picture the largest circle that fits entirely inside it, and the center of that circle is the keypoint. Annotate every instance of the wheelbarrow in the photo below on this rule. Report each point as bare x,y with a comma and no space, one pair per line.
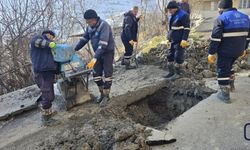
73,81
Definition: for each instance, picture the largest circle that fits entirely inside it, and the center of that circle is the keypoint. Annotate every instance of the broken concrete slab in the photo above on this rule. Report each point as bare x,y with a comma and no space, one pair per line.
23,100
15,103
139,83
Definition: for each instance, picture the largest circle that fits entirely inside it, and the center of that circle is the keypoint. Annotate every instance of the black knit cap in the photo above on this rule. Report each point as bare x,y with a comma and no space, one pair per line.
225,4
90,14
172,5
49,32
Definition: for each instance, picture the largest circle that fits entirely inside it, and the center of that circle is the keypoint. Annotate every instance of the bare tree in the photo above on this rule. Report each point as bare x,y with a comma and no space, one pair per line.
22,19
18,21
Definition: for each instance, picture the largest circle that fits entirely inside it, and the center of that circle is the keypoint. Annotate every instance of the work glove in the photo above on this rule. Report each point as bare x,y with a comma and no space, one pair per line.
184,44
52,45
211,59
243,54
91,64
131,42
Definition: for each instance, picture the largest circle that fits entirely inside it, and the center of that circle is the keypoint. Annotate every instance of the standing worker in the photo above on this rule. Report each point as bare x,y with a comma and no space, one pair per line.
179,28
184,5
100,34
230,38
44,68
129,35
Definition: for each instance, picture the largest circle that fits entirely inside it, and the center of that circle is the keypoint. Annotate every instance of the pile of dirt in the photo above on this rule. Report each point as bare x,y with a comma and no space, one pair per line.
155,56
98,131
195,59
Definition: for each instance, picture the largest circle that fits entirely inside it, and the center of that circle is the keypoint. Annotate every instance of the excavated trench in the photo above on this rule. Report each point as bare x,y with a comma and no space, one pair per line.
167,103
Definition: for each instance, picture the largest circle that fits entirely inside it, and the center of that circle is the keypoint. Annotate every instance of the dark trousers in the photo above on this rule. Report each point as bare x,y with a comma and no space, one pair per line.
128,48
176,53
104,65
224,69
44,81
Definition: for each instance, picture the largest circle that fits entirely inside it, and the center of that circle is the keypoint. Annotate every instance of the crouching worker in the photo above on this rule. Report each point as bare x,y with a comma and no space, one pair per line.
179,28
230,38
44,69
100,34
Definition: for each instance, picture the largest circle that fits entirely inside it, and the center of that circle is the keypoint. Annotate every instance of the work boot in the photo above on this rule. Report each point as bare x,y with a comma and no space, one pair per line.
171,70
231,83
105,98
178,73
224,93
122,61
46,117
128,65
100,98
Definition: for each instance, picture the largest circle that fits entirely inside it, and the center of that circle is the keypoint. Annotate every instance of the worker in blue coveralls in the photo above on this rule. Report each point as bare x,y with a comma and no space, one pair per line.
178,33
100,34
230,38
44,68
